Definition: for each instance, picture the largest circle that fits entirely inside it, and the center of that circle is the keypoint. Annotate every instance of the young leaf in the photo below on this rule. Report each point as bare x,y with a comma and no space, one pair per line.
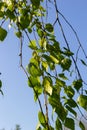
41,118
47,82
3,34
33,81
32,45
56,61
34,70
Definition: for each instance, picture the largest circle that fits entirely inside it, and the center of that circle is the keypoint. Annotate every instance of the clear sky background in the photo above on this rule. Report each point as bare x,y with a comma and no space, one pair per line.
17,106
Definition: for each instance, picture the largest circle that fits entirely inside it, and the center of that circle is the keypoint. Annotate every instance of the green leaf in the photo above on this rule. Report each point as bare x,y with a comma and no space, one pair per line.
82,101
34,70
81,125
24,21
38,127
40,33
77,84
66,64
10,14
32,45
62,75
47,82
58,125
33,81
69,123
44,65
1,14
35,3
41,118
71,110
3,34
38,89
49,27
69,91
71,103
56,61
18,34
68,52
60,83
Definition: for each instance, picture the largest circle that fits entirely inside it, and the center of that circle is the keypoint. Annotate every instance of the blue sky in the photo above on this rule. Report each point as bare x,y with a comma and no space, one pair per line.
17,106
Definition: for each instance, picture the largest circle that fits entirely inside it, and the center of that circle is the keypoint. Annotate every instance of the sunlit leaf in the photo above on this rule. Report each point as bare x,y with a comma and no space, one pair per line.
33,81
42,119
32,44
38,89
47,82
82,101
44,65
56,61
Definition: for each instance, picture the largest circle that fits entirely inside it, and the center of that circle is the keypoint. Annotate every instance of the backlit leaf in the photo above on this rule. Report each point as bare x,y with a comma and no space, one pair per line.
47,82
32,44
82,101
41,118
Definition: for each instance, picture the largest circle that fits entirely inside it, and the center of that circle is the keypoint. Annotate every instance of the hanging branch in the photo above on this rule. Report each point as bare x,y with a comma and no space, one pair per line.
59,23
57,20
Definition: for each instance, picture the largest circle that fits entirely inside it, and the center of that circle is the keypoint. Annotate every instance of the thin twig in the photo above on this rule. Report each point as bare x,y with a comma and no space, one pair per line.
65,38
74,33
